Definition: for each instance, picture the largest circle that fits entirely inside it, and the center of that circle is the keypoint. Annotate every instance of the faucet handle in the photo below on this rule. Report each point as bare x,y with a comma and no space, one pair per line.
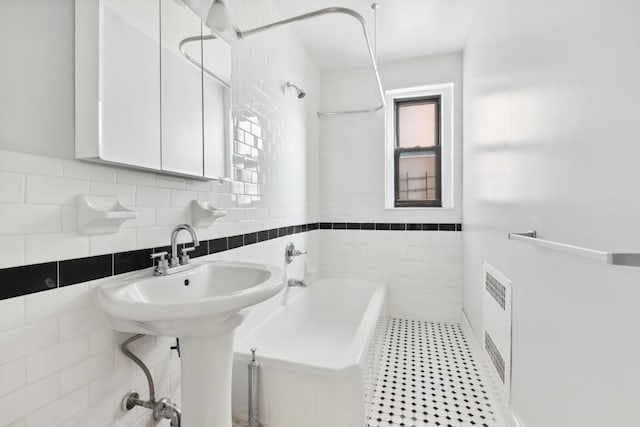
291,252
184,258
162,263
161,255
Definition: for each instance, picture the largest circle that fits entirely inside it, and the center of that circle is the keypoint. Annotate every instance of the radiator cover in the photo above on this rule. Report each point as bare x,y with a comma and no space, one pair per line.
497,323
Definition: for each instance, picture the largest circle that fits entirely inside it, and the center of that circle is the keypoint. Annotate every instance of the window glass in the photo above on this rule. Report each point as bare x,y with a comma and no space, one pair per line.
417,125
417,152
417,176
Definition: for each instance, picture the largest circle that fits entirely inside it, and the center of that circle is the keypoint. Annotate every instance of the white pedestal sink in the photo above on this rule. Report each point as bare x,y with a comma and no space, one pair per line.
201,306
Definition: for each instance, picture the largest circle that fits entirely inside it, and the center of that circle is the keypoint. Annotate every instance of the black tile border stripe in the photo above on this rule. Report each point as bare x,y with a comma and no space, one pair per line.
79,270
28,279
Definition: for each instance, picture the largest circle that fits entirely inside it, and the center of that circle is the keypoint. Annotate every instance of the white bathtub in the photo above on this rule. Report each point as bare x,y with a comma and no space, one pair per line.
317,354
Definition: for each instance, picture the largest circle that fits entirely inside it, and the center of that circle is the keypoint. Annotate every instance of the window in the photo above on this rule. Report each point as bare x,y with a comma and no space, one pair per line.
419,147
417,159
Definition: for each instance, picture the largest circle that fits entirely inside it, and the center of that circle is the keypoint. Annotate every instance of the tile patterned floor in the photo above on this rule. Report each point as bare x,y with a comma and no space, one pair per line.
428,376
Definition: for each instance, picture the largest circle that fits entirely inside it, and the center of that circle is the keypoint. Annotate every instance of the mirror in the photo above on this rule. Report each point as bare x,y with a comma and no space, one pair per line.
129,93
154,85
217,104
181,90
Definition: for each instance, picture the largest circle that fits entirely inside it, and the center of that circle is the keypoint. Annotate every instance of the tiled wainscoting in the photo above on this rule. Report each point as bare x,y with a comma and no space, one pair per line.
28,279
60,362
59,365
422,269
24,280
62,366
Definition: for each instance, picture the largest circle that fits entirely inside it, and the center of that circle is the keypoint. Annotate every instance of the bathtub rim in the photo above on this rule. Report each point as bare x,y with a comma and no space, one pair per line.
375,309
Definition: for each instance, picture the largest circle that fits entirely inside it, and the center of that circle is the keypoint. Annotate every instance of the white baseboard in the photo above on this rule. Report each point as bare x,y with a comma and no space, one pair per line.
468,330
508,415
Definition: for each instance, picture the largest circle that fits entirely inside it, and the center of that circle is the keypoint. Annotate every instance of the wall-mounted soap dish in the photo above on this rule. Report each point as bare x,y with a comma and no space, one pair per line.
101,214
203,214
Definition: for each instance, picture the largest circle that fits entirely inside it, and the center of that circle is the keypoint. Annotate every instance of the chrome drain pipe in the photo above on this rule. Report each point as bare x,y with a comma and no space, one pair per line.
164,408
254,400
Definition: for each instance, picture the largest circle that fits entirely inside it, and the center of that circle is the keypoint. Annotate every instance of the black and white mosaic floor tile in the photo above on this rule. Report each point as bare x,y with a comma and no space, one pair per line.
428,376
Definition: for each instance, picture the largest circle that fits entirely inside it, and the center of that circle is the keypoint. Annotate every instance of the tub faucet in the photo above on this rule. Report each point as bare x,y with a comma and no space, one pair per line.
290,252
296,283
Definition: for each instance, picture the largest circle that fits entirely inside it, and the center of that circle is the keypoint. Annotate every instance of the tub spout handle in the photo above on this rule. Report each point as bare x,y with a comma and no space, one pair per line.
291,252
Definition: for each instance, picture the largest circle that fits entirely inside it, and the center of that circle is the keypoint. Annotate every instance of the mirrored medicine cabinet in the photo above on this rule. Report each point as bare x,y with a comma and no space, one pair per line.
153,88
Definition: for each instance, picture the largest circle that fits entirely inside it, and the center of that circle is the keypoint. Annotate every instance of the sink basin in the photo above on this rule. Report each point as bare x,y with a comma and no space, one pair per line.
201,306
191,302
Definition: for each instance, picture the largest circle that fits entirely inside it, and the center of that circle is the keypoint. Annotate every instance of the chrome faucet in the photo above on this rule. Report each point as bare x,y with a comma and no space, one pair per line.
290,252
184,258
177,262
165,409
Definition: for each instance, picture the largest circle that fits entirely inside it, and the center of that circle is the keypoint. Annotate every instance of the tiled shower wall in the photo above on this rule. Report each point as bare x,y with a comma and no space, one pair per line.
422,268
60,363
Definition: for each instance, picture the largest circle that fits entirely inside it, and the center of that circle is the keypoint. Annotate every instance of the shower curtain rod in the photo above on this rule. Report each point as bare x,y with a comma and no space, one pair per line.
341,10
195,62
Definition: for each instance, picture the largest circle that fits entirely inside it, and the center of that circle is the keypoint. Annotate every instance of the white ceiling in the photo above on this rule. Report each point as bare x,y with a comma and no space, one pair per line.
406,29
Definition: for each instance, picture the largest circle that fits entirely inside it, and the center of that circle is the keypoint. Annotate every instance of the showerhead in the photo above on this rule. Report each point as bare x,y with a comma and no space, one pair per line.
301,93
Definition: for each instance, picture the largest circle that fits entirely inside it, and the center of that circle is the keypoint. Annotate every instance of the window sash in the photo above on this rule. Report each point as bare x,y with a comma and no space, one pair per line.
436,150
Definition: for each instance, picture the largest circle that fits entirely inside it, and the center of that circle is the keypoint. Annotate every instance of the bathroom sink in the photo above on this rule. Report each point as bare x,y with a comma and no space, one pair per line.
195,302
201,306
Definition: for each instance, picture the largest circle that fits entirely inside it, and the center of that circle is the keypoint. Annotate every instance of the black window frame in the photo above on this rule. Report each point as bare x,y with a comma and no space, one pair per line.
436,150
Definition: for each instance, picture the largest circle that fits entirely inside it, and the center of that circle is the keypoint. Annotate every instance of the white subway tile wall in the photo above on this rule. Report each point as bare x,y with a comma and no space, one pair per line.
60,346
357,142
421,268
11,187
61,363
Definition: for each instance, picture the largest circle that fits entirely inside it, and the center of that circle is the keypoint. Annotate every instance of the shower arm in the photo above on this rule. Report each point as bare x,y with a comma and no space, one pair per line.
342,10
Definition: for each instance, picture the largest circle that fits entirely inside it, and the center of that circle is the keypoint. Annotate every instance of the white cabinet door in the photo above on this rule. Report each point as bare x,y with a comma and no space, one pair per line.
129,88
181,82
142,98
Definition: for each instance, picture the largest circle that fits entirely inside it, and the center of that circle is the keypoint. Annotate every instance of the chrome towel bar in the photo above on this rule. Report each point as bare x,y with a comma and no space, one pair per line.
613,258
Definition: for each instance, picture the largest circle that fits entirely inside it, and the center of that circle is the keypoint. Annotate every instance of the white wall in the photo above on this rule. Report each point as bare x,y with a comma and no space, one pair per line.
61,364
551,107
423,268
352,154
